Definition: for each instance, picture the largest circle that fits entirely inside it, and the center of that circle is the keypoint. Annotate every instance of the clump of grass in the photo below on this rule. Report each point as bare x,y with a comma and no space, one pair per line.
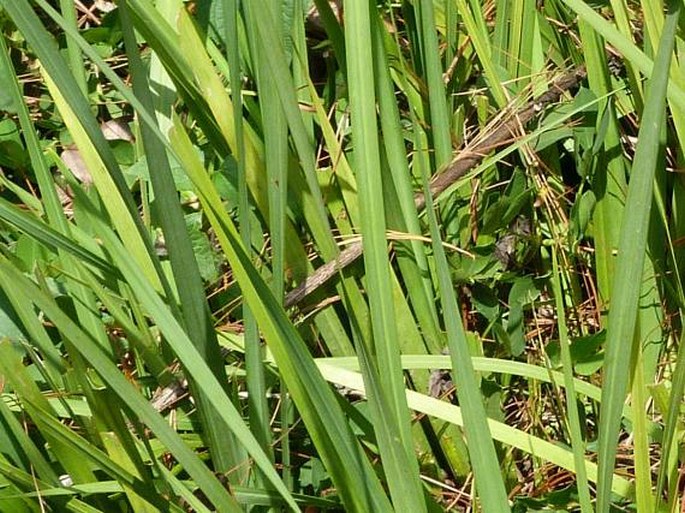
183,329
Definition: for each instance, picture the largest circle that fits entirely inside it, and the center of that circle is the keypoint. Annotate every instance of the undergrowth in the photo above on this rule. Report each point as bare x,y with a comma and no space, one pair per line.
379,256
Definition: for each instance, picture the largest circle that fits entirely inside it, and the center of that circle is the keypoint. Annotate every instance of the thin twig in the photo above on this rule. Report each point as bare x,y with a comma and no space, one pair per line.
465,161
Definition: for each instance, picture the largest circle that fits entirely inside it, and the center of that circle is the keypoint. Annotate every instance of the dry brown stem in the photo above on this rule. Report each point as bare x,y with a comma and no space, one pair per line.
467,159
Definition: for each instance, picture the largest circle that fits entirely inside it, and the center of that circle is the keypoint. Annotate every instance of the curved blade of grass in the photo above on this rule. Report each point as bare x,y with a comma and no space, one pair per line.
191,294
631,255
487,365
547,451
83,449
93,354
88,137
28,481
350,471
676,88
414,362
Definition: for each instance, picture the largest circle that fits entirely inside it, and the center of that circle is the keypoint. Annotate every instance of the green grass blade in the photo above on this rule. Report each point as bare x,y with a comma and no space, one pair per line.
631,254
676,88
277,63
552,452
357,484
393,432
610,185
487,365
93,354
439,116
486,468
86,132
254,353
577,443
184,266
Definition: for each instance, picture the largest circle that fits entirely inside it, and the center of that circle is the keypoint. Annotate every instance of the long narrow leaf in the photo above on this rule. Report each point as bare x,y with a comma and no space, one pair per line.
631,255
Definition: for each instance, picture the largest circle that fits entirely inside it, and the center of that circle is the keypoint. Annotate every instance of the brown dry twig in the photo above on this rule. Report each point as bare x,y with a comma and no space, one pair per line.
465,161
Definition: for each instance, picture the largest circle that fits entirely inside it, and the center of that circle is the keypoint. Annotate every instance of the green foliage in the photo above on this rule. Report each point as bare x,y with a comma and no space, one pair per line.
476,196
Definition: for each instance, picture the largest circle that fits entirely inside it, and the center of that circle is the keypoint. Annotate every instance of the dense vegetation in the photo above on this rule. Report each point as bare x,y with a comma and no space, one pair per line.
379,256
